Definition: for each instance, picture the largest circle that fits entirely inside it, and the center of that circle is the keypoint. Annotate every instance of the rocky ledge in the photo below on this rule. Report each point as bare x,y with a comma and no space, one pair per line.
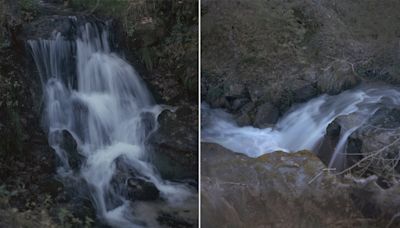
288,190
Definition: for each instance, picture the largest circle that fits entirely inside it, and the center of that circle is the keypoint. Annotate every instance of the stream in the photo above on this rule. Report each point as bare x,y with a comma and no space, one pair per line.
99,99
303,127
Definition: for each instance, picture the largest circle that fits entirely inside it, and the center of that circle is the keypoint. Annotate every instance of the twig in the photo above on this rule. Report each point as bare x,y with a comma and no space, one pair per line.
320,173
95,7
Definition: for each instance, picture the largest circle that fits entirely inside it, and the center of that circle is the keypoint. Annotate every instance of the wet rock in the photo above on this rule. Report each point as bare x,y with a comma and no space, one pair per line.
175,144
238,191
243,119
379,141
303,91
141,189
329,142
238,103
244,116
235,90
46,26
132,184
266,115
173,221
69,144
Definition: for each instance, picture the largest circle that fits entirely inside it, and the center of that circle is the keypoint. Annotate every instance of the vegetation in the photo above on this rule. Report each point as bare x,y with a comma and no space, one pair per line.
163,34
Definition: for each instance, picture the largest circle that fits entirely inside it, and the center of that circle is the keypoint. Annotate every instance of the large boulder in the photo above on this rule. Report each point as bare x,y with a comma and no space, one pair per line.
175,144
266,115
238,191
329,142
337,77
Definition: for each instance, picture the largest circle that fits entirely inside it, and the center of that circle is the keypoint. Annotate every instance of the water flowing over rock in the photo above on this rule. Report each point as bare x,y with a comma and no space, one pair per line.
378,139
100,100
304,126
285,52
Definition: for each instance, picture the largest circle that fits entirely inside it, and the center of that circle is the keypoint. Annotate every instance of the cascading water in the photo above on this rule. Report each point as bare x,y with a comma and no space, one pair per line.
302,127
99,99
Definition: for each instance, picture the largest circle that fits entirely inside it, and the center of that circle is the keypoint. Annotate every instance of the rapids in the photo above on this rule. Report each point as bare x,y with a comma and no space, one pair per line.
303,126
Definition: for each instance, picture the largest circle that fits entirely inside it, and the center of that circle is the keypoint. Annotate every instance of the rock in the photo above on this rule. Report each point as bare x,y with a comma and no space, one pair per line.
132,184
303,91
244,116
69,144
379,135
337,77
238,103
266,115
174,221
175,144
238,191
243,120
141,189
329,142
45,26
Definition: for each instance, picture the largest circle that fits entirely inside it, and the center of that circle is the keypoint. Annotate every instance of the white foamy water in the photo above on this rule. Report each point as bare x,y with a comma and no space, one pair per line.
303,126
101,101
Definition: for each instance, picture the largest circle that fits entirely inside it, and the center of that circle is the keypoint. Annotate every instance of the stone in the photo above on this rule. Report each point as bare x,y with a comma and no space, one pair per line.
266,115
239,191
337,77
243,120
69,144
329,142
141,189
303,91
380,133
174,144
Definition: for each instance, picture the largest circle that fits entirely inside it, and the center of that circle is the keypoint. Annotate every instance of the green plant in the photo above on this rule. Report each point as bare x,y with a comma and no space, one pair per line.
29,5
68,219
147,58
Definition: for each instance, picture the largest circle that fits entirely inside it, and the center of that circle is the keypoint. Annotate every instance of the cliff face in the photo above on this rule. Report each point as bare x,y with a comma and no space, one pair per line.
283,52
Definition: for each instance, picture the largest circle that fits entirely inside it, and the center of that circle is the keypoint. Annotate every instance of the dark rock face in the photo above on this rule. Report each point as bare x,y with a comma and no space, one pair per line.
46,26
175,144
132,184
266,115
69,144
141,189
329,142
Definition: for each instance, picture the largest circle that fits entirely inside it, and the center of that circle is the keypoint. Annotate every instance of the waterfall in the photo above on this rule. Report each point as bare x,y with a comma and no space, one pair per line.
100,100
303,126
